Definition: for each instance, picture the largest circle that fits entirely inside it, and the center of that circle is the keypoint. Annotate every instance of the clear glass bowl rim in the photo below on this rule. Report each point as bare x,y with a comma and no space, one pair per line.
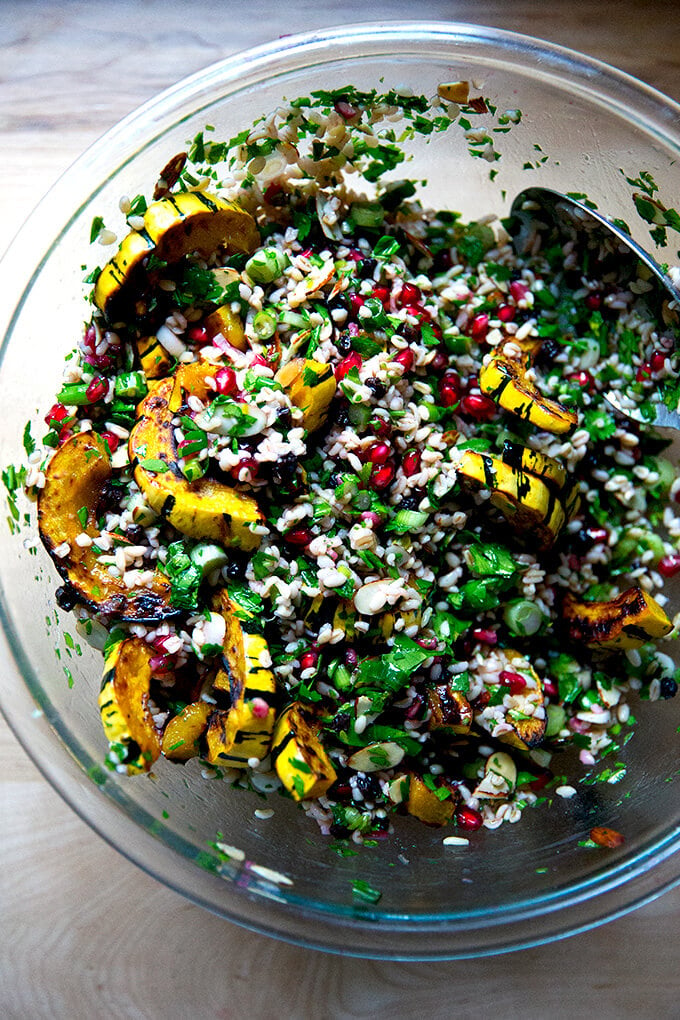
608,894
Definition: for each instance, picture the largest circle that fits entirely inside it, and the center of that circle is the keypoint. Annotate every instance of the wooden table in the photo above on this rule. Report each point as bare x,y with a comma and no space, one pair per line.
84,933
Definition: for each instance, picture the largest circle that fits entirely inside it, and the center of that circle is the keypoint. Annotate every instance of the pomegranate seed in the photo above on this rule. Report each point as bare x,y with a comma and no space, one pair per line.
380,427
248,464
608,838
669,566
487,637
479,326
97,389
518,290
382,293
160,664
415,707
405,358
57,416
259,708
371,517
272,192
506,313
583,379
417,311
378,454
426,642
258,359
225,382
410,295
439,362
597,535
658,361
351,657
345,109
352,360
112,441
551,688
644,372
411,463
198,335
354,255
307,252
298,536
514,681
449,389
540,781
468,818
356,302
478,406
382,477
594,301
308,660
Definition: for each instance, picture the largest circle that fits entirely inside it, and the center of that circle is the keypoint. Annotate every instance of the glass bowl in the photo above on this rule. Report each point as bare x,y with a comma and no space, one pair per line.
582,124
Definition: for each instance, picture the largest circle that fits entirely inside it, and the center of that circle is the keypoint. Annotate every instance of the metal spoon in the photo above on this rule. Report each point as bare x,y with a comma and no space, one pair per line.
557,219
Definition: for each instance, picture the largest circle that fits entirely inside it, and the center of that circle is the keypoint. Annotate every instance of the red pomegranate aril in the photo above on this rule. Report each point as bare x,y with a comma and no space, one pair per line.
518,290
273,191
225,382
643,373
598,535
111,440
540,781
378,454
380,427
486,637
345,109
449,389
356,302
468,818
405,358
669,566
371,517
259,359
57,416
248,464
594,301
308,660
382,477
416,311
352,360
97,389
198,335
411,463
439,362
382,293
479,326
478,406
351,657
410,295
298,536
550,688
514,681
160,664
506,313
583,379
354,255
658,361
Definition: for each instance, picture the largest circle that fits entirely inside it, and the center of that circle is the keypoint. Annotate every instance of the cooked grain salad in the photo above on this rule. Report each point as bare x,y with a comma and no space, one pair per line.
332,482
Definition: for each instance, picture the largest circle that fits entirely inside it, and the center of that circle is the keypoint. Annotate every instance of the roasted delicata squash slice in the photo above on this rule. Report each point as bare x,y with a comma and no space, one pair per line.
226,323
175,226
203,508
523,458
424,804
628,621
192,380
242,732
182,734
506,382
74,481
298,755
528,723
154,360
310,386
530,506
450,710
124,705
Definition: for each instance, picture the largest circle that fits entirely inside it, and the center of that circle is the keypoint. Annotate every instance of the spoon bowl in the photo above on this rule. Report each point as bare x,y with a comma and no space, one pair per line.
557,218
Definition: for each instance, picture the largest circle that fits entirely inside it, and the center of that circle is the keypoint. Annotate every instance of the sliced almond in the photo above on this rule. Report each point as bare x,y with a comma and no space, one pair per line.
500,777
376,757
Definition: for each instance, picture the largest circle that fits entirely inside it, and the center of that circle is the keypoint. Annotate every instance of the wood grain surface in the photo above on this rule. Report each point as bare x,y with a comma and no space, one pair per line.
84,933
